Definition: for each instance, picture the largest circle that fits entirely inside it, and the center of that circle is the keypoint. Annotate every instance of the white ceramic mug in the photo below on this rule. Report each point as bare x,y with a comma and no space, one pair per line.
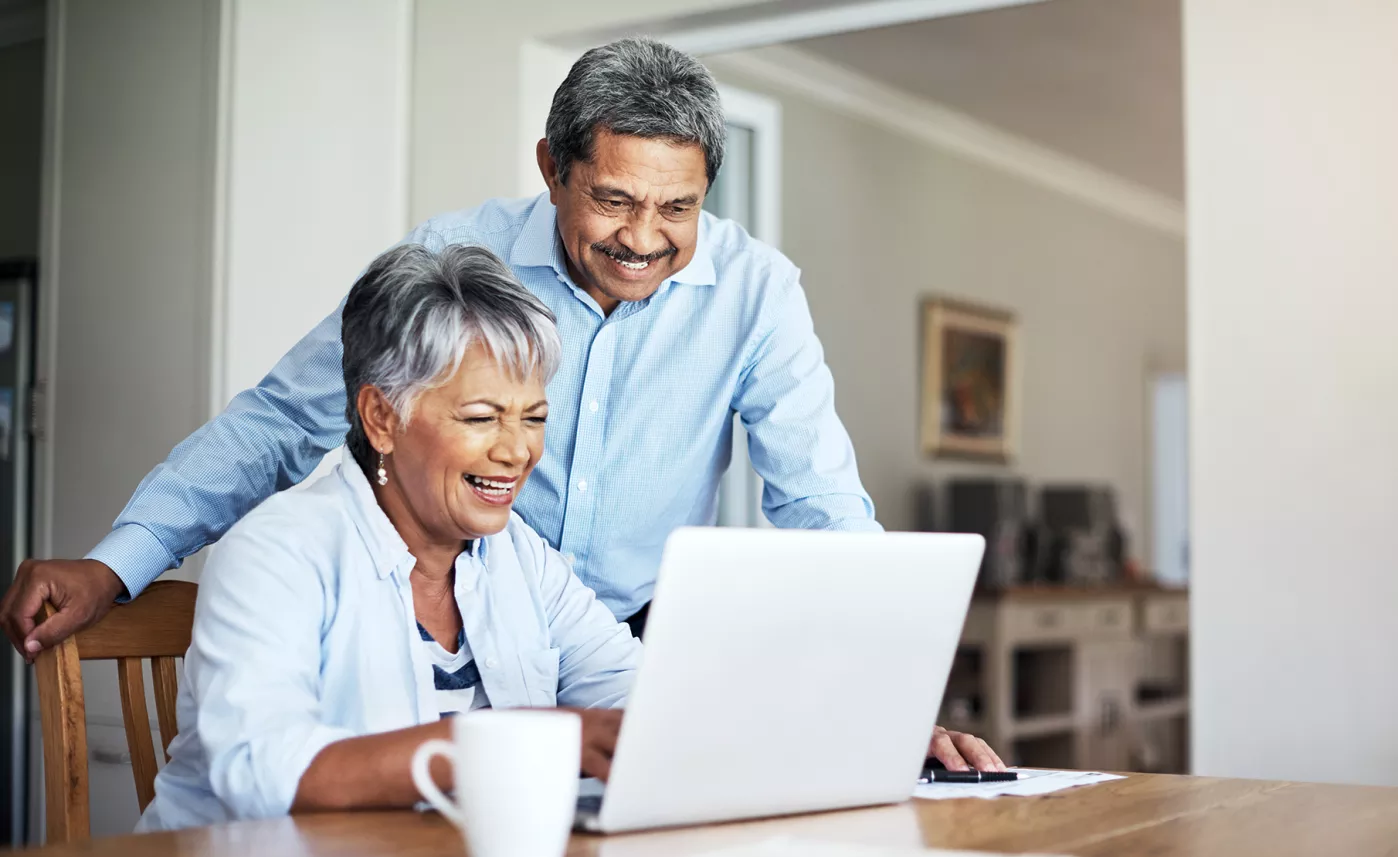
516,777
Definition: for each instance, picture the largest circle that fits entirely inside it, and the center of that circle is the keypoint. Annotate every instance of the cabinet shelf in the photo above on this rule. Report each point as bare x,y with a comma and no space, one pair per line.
1096,680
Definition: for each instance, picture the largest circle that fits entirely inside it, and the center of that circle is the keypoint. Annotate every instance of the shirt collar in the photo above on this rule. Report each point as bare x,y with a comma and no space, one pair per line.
538,246
700,270
386,548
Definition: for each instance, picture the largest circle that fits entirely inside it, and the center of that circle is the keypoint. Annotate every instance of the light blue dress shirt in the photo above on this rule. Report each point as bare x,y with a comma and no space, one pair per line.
305,634
640,418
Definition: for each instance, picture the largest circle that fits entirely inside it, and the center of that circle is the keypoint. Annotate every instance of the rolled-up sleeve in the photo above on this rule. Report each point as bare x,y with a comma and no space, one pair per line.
597,657
254,671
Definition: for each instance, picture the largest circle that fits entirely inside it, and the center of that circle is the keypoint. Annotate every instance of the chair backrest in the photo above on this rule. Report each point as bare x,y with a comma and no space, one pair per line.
157,625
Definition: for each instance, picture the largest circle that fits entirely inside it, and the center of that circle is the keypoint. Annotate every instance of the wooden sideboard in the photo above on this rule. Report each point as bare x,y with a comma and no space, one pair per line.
1076,678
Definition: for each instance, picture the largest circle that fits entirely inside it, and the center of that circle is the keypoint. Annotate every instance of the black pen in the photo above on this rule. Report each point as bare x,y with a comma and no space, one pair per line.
972,776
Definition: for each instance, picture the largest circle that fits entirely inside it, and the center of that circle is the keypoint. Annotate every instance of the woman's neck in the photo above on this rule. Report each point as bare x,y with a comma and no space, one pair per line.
433,578
436,556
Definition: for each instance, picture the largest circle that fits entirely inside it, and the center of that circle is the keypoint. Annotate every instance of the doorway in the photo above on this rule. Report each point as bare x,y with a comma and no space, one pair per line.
748,192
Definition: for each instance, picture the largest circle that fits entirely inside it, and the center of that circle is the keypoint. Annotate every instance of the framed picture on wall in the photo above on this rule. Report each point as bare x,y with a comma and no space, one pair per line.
970,384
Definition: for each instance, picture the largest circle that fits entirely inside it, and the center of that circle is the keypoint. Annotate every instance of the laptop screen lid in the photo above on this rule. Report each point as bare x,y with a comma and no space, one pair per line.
788,671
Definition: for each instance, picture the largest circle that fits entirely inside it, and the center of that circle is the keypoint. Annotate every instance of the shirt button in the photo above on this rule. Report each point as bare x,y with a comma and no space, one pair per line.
582,484
569,556
594,406
491,663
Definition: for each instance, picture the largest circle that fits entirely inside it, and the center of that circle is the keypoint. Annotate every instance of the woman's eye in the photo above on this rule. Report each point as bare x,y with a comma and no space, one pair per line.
476,421
538,421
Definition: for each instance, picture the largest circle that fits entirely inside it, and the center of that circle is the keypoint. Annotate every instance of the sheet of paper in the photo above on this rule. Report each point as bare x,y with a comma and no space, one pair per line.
790,846
1030,783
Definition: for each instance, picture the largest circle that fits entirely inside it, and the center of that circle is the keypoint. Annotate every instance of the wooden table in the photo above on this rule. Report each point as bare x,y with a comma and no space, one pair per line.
1144,815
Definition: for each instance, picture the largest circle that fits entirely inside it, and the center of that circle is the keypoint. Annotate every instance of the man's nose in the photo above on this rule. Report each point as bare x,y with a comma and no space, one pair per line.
642,237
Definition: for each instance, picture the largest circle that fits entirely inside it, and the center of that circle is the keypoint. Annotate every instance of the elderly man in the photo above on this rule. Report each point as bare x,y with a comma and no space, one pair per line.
671,321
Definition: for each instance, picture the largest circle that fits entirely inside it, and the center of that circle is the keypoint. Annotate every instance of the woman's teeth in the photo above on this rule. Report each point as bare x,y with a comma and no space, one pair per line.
490,486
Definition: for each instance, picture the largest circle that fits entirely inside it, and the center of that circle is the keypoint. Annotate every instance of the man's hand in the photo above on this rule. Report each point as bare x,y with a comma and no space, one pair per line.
81,590
960,751
600,726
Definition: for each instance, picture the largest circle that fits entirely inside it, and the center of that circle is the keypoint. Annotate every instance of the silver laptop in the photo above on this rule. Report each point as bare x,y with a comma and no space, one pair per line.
786,671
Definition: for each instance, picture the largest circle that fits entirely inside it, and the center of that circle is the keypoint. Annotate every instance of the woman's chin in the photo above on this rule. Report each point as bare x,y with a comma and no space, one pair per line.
481,520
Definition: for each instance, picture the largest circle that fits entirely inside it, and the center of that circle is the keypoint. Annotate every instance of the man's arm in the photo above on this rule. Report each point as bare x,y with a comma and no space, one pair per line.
800,449
269,438
786,399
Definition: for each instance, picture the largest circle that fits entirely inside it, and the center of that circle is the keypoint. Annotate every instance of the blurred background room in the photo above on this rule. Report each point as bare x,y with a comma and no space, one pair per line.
1110,282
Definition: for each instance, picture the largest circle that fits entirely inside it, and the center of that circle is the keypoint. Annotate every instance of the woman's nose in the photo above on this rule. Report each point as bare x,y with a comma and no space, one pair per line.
511,447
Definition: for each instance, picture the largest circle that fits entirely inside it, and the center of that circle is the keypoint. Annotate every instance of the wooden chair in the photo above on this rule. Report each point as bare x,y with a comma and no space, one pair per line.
156,625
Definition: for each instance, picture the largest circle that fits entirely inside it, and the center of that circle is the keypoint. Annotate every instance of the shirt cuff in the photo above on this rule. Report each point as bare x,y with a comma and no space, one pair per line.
286,780
136,555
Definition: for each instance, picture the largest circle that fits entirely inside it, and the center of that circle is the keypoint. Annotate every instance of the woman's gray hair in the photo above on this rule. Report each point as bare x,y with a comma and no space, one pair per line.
638,87
414,313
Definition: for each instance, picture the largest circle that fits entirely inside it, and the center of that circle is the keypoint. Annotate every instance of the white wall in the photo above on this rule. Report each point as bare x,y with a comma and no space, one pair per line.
466,135
1293,269
22,106
877,220
317,166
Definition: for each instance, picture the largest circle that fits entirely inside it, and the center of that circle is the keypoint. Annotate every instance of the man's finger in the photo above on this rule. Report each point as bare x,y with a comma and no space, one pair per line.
975,751
13,635
10,626
55,629
992,759
24,601
1000,763
945,750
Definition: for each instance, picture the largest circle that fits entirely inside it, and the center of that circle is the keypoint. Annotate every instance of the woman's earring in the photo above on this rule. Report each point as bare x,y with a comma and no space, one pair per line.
383,474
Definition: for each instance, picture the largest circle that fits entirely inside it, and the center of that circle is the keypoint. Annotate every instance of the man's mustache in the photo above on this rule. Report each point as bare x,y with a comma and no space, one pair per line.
621,254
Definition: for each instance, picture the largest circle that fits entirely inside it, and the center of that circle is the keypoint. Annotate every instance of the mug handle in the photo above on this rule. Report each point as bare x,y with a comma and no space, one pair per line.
422,777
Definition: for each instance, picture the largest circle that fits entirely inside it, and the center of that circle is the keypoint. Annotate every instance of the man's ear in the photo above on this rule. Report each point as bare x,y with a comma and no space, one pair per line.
548,169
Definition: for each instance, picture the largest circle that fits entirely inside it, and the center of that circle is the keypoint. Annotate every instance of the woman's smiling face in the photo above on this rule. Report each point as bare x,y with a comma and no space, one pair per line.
470,443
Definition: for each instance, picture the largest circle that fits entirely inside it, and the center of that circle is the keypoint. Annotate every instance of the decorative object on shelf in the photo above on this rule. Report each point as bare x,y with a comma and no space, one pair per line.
1083,542
970,395
997,509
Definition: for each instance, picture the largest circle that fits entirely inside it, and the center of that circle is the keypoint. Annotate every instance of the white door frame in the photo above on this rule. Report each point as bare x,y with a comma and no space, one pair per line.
761,115
764,116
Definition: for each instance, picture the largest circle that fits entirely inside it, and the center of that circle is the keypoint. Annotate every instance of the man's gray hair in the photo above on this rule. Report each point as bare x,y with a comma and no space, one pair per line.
639,87
414,313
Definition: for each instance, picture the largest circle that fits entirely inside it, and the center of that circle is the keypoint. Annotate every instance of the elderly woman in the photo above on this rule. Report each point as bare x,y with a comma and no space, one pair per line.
337,625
